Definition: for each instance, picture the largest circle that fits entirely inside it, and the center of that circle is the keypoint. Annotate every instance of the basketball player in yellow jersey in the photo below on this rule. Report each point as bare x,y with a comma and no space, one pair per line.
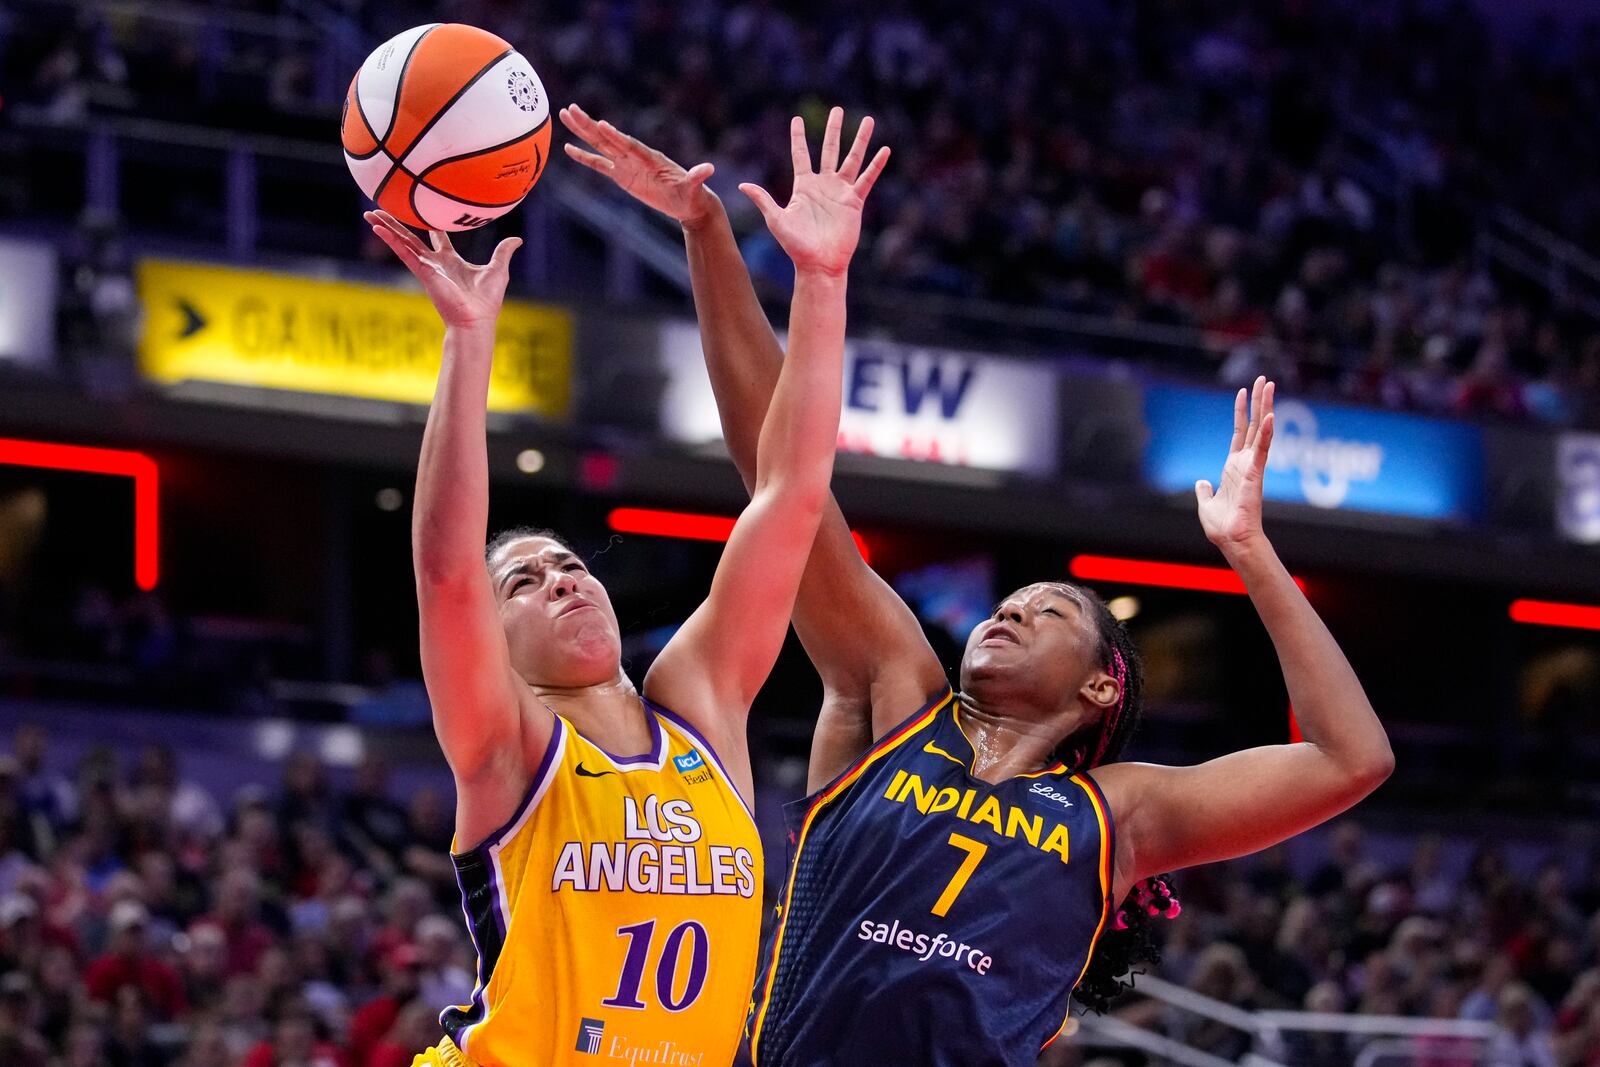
609,867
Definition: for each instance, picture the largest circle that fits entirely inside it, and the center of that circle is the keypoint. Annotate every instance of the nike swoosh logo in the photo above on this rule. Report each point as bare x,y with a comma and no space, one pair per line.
934,749
587,773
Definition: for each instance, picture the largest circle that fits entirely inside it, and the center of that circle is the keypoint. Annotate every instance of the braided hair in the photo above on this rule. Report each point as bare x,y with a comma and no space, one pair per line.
1129,939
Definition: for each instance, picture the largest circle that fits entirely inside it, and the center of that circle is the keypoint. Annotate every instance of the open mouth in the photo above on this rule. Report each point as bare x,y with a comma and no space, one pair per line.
1000,635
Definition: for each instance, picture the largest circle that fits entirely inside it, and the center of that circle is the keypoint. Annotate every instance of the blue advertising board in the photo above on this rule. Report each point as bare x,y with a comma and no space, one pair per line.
1325,455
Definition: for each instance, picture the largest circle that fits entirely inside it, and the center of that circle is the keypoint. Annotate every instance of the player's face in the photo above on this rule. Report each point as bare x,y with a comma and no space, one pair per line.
1040,643
559,624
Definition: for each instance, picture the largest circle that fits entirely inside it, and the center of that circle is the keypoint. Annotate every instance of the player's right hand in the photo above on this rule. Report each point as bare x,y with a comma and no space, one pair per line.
640,171
465,294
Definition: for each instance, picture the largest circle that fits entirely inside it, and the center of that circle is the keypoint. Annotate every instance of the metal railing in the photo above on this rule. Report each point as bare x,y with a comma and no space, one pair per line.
1381,1037
235,167
1541,256
1505,237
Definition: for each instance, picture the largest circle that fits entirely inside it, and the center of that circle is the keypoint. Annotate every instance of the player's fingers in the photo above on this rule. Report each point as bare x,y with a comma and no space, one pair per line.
799,152
830,141
1264,439
763,201
441,241
503,252
869,177
381,218
589,159
1202,491
573,118
699,173
580,122
613,139
1254,426
1267,396
851,167
405,252
1240,419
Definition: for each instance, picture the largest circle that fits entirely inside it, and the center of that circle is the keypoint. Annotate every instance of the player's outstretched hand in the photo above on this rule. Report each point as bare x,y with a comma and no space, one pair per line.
640,171
1231,515
822,222
465,294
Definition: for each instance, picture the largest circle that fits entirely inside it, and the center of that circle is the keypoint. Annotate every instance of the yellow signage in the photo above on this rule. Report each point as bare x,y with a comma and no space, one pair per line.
277,331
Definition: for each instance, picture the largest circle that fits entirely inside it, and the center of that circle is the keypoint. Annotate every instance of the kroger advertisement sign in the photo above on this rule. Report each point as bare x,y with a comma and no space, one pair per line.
1578,470
900,401
1324,455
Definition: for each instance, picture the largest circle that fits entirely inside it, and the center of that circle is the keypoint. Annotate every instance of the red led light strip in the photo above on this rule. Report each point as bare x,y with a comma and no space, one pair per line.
136,465
1166,575
686,525
1551,613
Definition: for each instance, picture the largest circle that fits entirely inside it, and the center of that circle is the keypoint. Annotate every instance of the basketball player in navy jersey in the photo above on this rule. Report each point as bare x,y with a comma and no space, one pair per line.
958,863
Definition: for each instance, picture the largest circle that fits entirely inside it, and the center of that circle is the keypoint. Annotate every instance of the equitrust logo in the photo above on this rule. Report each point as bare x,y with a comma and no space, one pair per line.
592,1041
590,1032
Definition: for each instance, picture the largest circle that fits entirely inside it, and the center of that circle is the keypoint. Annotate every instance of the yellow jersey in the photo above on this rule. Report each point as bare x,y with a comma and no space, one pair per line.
617,914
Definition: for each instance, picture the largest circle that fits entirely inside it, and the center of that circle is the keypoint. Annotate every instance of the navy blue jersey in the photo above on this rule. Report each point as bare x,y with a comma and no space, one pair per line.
930,917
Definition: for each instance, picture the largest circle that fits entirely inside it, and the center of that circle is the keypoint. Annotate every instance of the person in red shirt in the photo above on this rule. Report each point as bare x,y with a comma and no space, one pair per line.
237,915
129,961
377,1017
416,1027
294,1043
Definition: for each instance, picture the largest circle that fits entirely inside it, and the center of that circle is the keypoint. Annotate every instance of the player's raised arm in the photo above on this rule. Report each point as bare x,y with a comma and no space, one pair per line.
477,698
866,644
1172,817
723,654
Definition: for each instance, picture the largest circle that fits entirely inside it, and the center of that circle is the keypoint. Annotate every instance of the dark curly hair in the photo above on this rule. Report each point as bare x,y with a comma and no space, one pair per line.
1128,942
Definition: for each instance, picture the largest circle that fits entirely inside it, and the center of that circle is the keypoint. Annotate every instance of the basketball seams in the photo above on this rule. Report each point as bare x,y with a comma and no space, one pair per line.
361,113
400,81
400,168
422,177
444,108
393,170
405,155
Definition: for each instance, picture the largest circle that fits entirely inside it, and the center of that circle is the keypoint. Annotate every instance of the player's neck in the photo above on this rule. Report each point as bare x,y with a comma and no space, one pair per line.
610,714
1005,744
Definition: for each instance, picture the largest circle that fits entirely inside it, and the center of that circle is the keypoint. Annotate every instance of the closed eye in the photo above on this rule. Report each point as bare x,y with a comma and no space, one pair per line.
1050,611
518,584
574,567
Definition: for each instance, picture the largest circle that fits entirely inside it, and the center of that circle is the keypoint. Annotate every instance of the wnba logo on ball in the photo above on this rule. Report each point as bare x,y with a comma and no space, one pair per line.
524,93
1327,465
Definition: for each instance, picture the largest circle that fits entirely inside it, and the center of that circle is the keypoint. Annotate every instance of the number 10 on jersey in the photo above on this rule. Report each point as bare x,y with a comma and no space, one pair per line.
641,939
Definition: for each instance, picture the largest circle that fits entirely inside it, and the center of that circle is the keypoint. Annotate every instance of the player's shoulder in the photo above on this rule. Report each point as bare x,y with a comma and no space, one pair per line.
1122,783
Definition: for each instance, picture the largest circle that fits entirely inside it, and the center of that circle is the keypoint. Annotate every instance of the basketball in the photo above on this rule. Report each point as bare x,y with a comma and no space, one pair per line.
446,127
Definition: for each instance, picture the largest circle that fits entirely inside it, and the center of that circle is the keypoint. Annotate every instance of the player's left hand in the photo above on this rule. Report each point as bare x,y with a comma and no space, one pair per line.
821,224
647,175
1231,515
465,294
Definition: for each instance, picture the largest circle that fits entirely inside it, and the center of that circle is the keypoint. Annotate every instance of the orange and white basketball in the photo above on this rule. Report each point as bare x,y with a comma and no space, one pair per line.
446,127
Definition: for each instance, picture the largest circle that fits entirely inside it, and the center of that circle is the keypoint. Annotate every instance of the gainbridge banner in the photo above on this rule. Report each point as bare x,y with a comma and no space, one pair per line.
209,323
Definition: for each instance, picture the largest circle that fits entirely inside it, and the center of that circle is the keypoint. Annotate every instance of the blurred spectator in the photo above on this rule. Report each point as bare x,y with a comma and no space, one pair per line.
237,916
1522,1041
129,963
1293,189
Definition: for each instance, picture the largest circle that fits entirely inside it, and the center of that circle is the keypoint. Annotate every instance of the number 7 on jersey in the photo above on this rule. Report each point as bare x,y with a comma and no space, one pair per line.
975,851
